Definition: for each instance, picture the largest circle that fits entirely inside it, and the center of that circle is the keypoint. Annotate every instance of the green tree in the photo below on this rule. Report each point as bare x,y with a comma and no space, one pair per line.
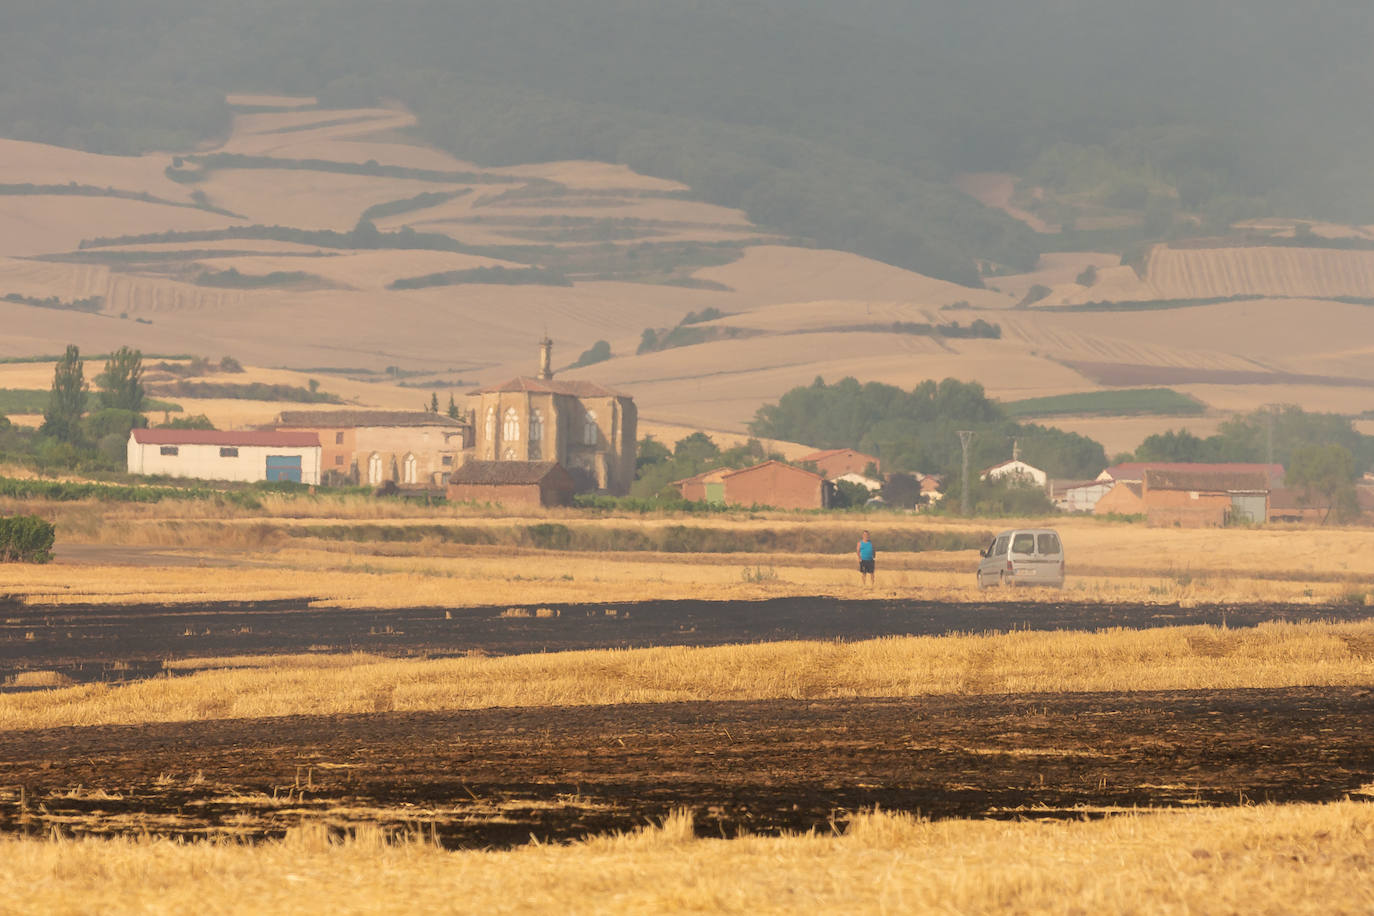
1327,471
121,384
452,406
598,352
434,402
67,402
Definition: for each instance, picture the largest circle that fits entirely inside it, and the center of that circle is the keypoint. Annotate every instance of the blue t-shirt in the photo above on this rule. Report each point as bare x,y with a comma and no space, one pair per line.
865,550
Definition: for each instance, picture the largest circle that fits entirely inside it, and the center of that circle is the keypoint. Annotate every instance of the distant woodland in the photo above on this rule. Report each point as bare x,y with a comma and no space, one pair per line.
838,125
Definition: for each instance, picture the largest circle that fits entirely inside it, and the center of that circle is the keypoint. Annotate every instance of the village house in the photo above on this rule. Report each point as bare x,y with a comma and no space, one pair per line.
210,454
413,448
512,484
868,483
836,462
771,483
1208,498
1017,471
587,428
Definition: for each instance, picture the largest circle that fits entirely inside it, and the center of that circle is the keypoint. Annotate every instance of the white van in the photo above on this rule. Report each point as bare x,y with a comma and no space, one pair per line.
1022,556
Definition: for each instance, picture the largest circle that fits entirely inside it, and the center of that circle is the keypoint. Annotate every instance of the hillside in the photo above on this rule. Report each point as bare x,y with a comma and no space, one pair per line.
335,246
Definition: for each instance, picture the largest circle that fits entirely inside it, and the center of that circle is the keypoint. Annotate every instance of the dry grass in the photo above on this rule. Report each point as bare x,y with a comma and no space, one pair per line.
1296,859
251,554
1022,663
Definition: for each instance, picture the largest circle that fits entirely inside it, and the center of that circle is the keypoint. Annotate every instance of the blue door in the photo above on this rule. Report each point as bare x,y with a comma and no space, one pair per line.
284,467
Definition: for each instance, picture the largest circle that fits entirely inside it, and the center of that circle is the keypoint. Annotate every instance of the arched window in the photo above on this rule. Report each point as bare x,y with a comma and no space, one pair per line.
491,424
509,455
409,469
536,434
374,469
510,426
589,430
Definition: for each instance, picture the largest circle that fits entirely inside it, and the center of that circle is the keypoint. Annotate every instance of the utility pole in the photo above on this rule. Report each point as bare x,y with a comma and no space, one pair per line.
965,436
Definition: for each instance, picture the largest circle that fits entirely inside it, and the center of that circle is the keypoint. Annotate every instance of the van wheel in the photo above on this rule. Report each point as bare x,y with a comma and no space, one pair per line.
1002,580
982,586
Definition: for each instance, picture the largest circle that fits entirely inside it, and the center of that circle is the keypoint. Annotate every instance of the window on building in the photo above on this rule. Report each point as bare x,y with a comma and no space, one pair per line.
338,438
409,469
510,426
491,423
509,455
169,450
229,451
338,460
374,469
447,461
589,430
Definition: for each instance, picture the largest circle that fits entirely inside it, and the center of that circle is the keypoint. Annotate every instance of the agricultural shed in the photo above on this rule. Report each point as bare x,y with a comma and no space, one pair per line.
707,486
1077,495
512,483
211,454
773,483
1291,504
408,447
1195,498
836,462
1134,471
1121,498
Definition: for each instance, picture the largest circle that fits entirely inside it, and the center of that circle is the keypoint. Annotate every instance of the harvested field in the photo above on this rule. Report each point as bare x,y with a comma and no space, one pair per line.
1198,273
499,777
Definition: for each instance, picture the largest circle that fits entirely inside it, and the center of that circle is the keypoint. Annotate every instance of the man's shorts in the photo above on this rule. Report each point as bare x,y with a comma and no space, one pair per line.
866,566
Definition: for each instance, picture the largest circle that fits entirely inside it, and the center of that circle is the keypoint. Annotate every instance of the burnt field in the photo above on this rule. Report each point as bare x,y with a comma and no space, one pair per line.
496,777
114,642
501,776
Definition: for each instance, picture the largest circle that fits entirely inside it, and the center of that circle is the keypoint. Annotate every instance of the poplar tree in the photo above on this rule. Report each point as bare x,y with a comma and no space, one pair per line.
67,402
121,384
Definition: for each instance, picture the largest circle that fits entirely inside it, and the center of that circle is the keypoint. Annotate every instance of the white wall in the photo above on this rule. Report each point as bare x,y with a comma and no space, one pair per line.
204,462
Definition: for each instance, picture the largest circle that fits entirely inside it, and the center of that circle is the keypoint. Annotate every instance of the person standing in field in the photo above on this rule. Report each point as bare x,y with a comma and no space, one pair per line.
865,550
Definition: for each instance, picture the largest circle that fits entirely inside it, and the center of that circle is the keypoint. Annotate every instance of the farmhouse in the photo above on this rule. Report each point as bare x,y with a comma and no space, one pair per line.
587,428
836,462
208,454
771,483
523,484
1205,498
868,483
1016,471
407,447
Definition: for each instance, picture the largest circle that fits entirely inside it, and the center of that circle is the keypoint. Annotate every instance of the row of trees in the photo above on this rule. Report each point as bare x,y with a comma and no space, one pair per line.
79,430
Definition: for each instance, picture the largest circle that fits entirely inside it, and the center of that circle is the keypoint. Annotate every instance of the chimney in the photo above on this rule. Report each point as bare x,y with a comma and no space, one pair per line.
546,359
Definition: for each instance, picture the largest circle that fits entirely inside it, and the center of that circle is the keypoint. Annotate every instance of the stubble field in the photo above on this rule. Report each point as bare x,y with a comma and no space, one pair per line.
421,685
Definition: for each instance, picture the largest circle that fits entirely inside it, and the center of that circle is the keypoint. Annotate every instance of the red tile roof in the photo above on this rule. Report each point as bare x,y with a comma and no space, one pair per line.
764,464
1135,470
246,437
339,419
577,388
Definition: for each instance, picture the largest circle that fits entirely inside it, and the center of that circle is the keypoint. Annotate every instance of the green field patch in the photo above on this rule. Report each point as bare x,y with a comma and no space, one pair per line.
1129,402
35,401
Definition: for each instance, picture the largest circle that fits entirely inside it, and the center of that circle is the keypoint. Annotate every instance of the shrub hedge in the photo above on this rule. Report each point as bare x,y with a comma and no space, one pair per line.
25,539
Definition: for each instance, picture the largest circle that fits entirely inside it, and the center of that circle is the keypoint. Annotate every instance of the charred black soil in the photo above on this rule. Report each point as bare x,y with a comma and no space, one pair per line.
112,642
499,777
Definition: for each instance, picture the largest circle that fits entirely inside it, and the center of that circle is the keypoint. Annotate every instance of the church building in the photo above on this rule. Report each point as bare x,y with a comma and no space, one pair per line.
587,428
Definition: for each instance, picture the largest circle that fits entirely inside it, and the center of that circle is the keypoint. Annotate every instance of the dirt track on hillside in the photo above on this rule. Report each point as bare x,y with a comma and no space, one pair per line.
502,776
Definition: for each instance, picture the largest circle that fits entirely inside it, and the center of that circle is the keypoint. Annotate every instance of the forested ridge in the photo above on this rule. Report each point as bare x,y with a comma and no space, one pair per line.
836,125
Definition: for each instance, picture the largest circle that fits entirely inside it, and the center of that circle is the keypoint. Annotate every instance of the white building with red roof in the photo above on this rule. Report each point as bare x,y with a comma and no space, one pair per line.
212,454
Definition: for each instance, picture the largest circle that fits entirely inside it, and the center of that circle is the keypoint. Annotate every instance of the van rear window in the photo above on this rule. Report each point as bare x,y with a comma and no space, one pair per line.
1023,543
1048,544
